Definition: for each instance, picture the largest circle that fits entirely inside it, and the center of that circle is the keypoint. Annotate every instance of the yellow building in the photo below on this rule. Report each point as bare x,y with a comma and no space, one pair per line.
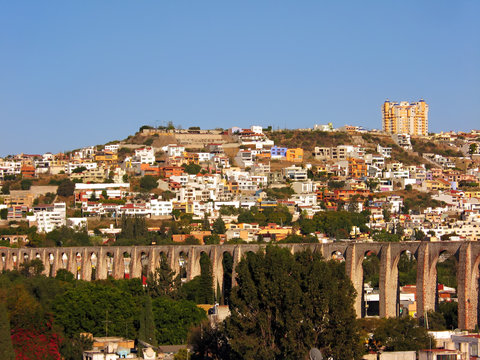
295,155
106,157
405,117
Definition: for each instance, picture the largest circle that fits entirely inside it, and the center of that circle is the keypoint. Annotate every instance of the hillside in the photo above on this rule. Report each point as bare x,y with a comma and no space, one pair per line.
308,140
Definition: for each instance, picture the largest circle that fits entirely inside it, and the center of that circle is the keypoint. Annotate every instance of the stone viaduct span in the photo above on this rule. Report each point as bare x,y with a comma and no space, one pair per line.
89,263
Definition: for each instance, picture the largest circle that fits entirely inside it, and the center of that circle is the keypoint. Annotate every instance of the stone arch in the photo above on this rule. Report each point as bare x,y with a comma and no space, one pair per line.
50,264
403,303
3,258
15,259
443,256
183,262
144,266
78,265
443,253
368,261
91,267
474,280
227,273
126,264
64,261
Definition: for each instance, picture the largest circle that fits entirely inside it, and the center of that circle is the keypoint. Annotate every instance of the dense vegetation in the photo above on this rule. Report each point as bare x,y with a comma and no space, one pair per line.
281,309
47,315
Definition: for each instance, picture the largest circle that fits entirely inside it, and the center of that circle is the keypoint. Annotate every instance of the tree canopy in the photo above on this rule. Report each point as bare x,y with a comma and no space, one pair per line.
401,334
66,188
281,308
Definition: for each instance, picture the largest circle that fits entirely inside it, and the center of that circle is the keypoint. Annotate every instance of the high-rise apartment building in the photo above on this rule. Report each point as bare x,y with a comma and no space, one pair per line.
405,117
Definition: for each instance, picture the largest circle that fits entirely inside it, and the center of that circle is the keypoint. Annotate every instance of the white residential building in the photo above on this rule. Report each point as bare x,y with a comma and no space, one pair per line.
113,148
87,165
145,155
174,150
304,187
49,217
160,208
384,151
256,129
204,157
295,173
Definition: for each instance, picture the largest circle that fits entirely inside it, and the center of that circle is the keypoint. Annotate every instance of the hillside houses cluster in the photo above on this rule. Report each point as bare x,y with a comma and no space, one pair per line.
250,172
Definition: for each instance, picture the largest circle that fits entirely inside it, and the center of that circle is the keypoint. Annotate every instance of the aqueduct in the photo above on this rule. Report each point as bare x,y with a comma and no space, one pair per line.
89,263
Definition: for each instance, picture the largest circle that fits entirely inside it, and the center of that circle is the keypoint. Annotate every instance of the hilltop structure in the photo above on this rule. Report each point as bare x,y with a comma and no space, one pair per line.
405,117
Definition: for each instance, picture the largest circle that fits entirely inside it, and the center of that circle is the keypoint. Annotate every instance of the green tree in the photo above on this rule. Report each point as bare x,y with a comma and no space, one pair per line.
401,334
192,240
211,239
205,223
79,169
163,281
6,347
133,229
218,226
433,321
3,214
66,188
174,319
372,184
26,184
96,308
419,235
371,269
386,215
383,236
307,226
6,188
472,149
449,311
64,275
407,270
182,354
148,182
192,169
281,308
206,295
33,267
147,323
332,184
209,342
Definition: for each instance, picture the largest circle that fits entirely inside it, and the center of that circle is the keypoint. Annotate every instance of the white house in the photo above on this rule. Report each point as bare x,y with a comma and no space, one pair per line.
160,208
49,217
145,155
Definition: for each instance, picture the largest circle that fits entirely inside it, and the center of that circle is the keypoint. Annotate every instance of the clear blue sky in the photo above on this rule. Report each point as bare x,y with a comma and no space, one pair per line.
78,73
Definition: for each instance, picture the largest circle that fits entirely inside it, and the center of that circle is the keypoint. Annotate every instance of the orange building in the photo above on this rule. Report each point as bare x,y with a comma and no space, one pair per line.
148,169
167,171
357,168
295,155
191,158
28,171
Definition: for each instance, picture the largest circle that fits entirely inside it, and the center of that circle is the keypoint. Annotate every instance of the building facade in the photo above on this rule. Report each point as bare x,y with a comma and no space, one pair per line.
405,117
